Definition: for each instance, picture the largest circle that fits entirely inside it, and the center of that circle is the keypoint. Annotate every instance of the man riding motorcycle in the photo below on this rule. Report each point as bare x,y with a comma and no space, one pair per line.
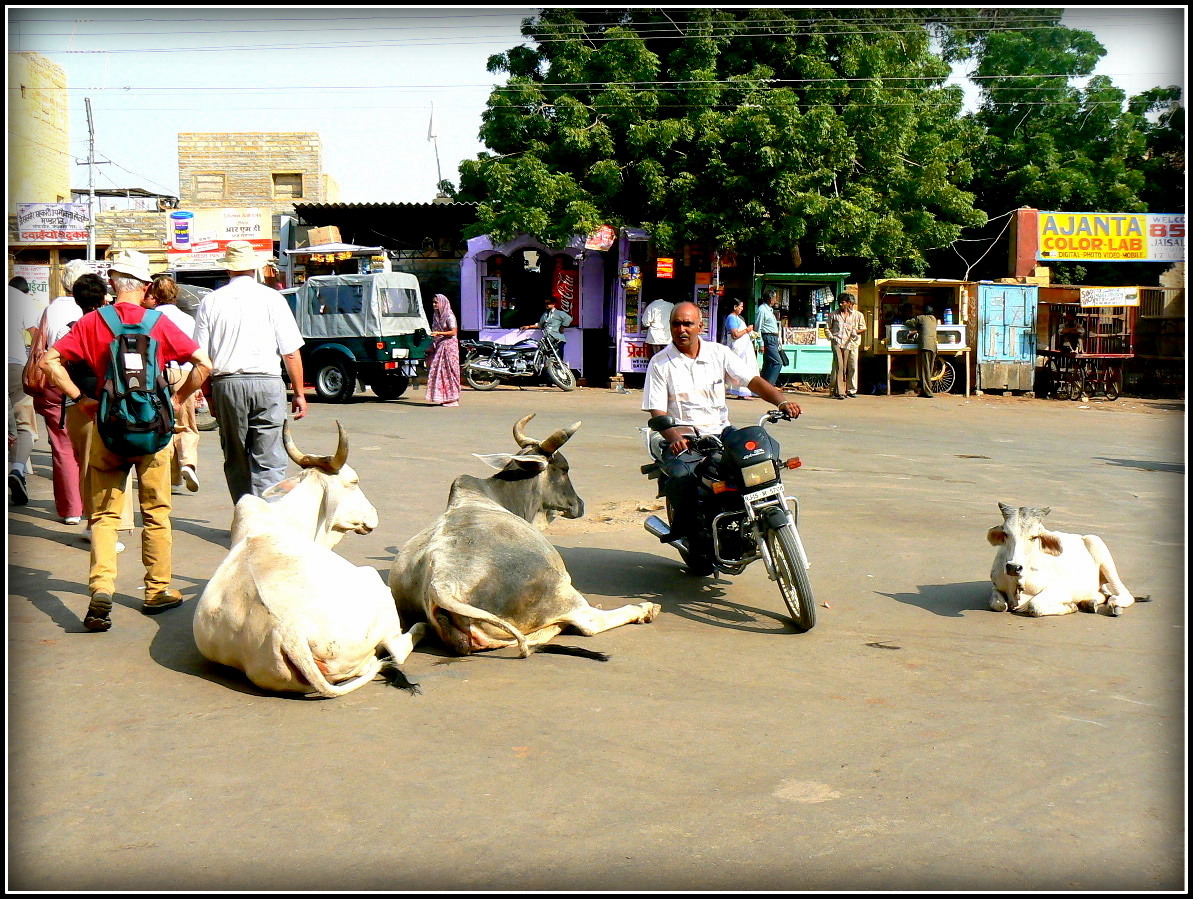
687,382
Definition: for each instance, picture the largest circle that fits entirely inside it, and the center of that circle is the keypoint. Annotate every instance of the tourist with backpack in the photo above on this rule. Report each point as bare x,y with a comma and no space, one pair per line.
127,347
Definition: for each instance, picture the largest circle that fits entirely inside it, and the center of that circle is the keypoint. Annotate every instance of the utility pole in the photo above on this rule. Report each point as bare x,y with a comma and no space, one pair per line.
90,163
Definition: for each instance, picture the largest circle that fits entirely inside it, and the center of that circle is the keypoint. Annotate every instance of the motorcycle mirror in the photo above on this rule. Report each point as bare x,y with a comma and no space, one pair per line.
660,423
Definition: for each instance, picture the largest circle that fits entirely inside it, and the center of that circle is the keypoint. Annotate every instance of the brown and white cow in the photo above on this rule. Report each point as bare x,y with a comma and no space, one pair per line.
1041,572
484,576
283,607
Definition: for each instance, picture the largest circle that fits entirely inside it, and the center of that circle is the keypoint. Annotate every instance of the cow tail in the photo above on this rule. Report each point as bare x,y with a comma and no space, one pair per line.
456,607
298,653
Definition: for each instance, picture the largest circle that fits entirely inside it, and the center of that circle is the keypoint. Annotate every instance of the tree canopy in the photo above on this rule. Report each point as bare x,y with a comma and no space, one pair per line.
826,135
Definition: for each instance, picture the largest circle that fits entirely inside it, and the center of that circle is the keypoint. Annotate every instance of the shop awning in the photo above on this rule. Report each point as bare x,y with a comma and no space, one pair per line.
337,248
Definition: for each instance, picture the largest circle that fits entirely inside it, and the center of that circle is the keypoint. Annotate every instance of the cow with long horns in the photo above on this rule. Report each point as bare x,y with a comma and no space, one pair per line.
283,607
483,576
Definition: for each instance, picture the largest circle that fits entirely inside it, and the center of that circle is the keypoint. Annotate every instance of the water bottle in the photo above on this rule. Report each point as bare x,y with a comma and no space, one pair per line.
948,316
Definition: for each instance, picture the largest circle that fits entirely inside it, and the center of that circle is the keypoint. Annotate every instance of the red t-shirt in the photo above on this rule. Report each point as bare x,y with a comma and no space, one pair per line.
90,338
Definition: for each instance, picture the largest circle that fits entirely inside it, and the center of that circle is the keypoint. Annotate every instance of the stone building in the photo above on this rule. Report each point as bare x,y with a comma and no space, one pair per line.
39,162
265,170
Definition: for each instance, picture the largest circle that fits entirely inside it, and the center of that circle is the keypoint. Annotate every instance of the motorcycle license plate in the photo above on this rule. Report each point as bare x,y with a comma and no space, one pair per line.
765,493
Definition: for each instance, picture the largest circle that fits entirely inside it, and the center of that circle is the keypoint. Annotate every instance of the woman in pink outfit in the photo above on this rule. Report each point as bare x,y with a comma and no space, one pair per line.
443,369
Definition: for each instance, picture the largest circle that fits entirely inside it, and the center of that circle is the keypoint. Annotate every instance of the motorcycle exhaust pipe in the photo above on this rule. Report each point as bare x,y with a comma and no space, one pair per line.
489,370
656,527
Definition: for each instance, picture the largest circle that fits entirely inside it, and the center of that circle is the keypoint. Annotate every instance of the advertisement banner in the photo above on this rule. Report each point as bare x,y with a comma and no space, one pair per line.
632,355
199,237
52,222
601,239
1109,296
1110,237
38,277
664,267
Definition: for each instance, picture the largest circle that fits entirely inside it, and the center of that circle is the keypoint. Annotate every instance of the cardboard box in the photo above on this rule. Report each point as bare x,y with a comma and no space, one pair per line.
326,234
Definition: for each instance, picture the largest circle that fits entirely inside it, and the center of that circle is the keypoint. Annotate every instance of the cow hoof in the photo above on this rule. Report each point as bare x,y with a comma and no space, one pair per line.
1111,609
998,605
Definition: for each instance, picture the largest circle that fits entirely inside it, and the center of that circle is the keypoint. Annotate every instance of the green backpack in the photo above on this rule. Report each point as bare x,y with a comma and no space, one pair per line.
136,414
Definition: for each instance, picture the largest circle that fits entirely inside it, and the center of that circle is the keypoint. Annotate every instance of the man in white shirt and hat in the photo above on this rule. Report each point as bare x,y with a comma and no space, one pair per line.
245,327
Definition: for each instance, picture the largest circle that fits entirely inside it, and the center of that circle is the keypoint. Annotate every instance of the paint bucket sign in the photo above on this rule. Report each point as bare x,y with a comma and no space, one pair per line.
180,229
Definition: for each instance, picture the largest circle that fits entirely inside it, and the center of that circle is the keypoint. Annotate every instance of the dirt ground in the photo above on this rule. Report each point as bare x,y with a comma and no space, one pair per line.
913,740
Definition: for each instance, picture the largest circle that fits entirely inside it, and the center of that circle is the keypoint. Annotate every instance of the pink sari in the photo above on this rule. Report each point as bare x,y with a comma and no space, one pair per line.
443,367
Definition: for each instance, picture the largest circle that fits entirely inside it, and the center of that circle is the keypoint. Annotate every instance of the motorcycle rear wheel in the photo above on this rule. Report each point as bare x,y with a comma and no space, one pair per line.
697,565
479,381
792,574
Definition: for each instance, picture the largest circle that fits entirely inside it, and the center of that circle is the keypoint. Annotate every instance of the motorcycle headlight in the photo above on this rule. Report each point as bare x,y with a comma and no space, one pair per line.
759,474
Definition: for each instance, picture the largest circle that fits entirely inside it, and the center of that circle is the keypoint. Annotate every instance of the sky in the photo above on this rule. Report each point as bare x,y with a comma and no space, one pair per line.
373,82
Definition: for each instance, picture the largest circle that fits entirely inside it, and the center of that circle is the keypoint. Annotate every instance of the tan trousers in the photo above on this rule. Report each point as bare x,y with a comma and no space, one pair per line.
81,428
108,477
186,440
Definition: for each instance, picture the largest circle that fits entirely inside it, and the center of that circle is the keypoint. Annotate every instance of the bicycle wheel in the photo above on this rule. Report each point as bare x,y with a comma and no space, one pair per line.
1079,385
1063,389
942,380
817,382
1113,383
791,572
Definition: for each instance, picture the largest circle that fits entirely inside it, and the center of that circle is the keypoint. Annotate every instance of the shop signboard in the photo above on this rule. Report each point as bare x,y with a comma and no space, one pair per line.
38,277
1109,296
1110,237
199,237
601,239
52,222
664,267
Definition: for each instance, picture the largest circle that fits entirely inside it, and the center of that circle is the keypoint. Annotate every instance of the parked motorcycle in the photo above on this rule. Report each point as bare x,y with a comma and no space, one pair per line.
741,511
487,364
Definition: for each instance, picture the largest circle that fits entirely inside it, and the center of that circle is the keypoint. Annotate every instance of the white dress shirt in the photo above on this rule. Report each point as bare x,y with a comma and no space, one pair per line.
244,327
693,390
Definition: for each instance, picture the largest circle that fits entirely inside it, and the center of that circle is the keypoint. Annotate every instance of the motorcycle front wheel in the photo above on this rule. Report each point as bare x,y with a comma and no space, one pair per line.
791,571
561,375
480,380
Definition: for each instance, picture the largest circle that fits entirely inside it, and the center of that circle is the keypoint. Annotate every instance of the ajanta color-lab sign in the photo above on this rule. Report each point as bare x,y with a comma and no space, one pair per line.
1110,237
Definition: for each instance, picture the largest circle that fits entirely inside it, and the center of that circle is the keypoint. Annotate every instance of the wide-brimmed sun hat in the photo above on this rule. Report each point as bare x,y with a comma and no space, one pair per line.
239,256
131,263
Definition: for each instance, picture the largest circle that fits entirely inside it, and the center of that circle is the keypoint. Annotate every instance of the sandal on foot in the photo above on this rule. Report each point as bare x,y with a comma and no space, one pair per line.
99,612
159,602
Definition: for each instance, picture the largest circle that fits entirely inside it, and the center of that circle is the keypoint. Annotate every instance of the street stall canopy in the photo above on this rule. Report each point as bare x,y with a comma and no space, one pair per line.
334,248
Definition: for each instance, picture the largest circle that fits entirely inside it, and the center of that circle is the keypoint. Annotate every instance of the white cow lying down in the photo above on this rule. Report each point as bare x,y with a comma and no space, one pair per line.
1041,572
283,607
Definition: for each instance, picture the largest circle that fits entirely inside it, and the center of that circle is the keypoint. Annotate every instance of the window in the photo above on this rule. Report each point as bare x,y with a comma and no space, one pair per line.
287,186
209,186
333,299
398,301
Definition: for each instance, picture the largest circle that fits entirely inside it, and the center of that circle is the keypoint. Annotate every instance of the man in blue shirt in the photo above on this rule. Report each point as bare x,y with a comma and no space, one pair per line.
767,325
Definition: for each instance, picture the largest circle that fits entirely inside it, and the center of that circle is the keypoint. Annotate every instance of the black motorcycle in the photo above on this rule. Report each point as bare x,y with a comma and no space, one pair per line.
487,364
741,511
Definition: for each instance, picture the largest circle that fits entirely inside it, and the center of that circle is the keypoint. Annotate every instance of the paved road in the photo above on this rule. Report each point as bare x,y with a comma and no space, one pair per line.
912,740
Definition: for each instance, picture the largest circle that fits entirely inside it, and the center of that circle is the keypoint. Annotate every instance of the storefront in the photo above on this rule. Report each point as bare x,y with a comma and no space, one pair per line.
805,301
888,302
693,275
503,289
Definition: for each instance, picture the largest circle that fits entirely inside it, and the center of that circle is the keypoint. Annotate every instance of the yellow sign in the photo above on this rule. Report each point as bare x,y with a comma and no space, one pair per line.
1110,237
664,267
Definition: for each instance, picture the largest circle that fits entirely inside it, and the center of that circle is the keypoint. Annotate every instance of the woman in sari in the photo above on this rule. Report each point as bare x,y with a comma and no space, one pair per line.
443,369
739,337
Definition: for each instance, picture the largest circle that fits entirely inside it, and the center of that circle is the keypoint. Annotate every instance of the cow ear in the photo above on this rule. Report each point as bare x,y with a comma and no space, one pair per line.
494,460
1050,543
281,488
996,536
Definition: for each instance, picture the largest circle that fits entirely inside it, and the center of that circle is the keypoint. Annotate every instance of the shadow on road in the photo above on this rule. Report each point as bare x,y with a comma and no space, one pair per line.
639,577
1174,467
947,600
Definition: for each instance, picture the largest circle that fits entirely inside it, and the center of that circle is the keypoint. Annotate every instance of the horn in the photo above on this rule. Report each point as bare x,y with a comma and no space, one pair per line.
341,456
558,439
330,464
520,435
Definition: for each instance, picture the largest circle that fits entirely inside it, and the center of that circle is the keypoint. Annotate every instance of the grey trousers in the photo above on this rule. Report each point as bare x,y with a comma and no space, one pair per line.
250,410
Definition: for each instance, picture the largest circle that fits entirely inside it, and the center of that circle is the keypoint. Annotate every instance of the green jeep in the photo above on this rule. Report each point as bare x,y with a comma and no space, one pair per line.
368,328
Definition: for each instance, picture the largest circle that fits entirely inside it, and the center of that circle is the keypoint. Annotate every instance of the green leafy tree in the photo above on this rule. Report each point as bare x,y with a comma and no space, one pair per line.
1051,143
827,136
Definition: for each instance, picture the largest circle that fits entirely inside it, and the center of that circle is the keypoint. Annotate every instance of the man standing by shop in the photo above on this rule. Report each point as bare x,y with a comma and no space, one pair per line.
89,341
687,381
766,325
244,327
553,321
656,322
925,326
845,327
